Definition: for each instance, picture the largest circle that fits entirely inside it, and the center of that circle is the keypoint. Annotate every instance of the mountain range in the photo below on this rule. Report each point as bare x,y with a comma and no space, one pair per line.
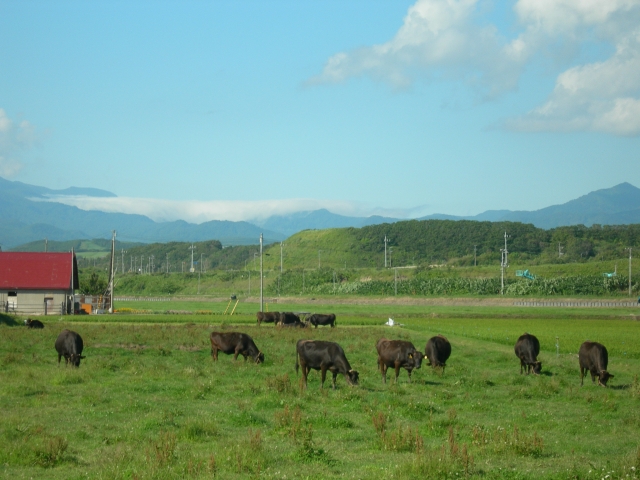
27,214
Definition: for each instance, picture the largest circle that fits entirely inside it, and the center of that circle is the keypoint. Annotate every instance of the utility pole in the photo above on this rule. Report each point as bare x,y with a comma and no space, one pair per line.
319,259
113,251
559,250
629,271
123,252
192,248
395,280
201,263
385,251
45,244
261,277
504,263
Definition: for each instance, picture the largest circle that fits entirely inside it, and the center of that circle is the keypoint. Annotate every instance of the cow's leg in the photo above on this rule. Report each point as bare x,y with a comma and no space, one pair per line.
335,375
305,372
214,353
409,372
383,370
323,371
59,358
593,376
397,370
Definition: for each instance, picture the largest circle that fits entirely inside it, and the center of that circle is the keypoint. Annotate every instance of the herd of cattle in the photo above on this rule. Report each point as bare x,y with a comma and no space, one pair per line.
329,356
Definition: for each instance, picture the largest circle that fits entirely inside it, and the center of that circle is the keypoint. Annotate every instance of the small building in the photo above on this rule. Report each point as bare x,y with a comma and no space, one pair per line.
38,282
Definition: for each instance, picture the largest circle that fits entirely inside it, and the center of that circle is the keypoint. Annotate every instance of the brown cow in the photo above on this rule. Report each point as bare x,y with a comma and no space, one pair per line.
396,354
593,356
527,350
236,343
323,356
437,351
267,317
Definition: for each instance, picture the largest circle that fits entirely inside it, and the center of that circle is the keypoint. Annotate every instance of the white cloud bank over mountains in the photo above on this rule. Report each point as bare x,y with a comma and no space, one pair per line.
194,211
447,40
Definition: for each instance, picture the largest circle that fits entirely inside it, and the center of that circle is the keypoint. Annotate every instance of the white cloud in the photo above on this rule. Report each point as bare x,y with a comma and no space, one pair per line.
600,96
445,40
195,211
439,39
14,138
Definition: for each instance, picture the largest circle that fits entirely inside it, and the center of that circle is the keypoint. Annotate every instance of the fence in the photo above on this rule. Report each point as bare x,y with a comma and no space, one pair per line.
577,304
34,309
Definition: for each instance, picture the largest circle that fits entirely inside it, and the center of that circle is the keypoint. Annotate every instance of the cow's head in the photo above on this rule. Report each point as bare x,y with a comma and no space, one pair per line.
603,378
259,358
352,377
417,357
75,358
27,321
537,368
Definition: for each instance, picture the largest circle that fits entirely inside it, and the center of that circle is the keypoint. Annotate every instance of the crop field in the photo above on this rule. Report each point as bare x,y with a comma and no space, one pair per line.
149,402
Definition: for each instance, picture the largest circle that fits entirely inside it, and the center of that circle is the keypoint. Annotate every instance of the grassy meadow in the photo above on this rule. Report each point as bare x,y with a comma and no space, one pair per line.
149,402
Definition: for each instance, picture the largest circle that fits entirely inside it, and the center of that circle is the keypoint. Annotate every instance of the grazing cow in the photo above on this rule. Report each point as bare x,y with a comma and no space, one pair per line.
321,319
288,317
396,354
323,356
593,356
268,317
437,351
236,343
69,345
527,349
33,323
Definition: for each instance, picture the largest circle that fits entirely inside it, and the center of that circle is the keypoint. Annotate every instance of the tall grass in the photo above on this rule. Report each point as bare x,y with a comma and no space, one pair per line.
148,402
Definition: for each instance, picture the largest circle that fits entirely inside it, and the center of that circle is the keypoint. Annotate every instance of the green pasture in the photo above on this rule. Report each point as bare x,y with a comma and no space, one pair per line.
149,402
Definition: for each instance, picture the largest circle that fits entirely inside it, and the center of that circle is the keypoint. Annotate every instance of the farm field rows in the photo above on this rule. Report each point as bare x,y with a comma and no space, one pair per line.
149,402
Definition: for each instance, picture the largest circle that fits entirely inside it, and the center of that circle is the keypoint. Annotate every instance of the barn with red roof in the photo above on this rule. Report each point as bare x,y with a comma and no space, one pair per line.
38,282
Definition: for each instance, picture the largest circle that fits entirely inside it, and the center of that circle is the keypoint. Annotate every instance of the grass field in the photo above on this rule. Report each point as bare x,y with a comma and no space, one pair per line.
148,401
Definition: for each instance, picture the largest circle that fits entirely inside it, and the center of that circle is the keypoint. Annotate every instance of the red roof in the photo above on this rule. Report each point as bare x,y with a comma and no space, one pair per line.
37,271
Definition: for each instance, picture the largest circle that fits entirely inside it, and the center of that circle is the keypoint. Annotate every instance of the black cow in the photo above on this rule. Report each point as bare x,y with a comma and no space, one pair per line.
322,319
527,350
396,354
288,317
236,343
69,345
593,356
268,317
33,323
323,356
437,351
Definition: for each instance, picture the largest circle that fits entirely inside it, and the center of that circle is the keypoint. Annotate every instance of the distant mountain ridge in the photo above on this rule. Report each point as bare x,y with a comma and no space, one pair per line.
319,220
619,205
25,216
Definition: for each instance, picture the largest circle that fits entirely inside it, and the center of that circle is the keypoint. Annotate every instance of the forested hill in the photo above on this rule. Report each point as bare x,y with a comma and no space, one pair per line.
439,241
416,242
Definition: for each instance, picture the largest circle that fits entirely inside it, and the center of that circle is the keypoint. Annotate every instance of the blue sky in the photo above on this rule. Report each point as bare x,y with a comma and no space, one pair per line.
242,109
